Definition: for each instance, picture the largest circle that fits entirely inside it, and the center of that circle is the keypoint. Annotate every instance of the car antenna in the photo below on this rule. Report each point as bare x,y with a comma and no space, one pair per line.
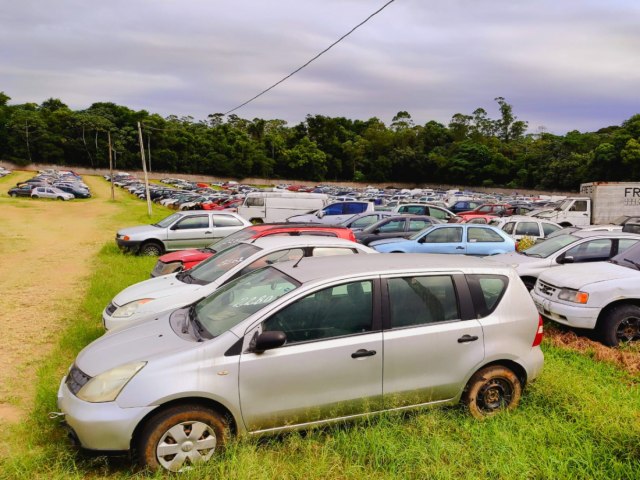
299,260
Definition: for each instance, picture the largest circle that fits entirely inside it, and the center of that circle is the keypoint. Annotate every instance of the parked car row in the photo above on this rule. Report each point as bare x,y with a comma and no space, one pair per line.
52,184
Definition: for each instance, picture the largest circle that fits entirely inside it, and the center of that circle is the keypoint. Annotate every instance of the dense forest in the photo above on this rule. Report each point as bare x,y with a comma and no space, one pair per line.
472,150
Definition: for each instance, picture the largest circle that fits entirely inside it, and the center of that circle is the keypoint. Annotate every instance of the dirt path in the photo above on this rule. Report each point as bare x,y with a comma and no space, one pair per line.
43,264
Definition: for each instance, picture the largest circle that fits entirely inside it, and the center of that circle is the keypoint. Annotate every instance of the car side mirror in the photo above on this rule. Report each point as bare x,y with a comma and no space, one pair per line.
422,239
269,340
320,214
564,260
376,231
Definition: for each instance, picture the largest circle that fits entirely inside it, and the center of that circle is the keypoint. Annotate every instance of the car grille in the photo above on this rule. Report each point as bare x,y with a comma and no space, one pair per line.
110,309
76,379
546,289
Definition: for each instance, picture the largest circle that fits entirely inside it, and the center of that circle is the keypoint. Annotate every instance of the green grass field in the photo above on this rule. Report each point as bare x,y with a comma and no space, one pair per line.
580,419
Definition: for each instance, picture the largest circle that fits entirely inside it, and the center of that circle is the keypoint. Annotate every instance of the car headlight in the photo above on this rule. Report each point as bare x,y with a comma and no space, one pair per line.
130,308
108,385
575,296
170,267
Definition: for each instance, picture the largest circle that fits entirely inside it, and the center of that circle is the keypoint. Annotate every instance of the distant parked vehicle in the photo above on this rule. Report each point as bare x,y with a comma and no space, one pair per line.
269,207
334,213
186,259
51,192
189,229
421,209
520,226
363,220
399,226
450,238
76,191
23,190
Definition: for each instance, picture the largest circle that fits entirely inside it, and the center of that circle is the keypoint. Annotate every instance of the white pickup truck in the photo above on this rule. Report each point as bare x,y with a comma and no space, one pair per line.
601,296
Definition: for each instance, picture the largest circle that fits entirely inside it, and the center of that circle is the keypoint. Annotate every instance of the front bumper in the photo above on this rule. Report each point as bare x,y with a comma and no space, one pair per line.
100,426
128,245
571,315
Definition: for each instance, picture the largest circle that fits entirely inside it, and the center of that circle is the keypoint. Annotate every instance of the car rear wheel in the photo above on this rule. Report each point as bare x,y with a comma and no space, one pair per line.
491,390
13,194
151,249
60,198
180,437
621,324
34,196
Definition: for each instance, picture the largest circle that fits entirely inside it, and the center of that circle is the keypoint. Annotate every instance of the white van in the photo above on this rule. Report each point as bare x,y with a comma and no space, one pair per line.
269,207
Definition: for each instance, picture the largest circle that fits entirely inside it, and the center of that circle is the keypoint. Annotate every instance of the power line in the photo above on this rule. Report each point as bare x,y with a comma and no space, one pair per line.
314,58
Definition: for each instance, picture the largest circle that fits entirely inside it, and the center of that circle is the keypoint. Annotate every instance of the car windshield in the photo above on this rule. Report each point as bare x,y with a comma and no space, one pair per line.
165,222
549,246
241,298
417,235
212,268
629,258
229,240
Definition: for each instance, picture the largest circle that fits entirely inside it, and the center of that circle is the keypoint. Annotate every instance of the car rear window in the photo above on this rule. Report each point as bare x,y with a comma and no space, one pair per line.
486,292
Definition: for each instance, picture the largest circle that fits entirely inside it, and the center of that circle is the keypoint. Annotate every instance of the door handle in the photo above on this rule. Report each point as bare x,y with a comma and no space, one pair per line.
208,232
459,248
363,353
467,338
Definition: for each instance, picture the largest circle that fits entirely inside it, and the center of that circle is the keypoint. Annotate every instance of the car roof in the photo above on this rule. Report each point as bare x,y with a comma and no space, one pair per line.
603,234
272,241
319,268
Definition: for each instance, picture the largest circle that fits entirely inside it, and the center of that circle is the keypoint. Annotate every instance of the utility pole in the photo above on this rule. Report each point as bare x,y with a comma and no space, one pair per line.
149,149
144,169
113,195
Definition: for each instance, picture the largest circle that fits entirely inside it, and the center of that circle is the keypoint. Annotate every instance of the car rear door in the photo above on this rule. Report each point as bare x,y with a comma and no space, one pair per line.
223,225
432,340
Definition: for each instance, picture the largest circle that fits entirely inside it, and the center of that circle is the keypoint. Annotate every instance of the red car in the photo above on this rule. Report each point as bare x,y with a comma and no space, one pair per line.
495,209
186,259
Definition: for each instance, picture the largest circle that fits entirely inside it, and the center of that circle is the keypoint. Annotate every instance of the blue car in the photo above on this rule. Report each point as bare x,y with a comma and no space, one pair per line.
469,239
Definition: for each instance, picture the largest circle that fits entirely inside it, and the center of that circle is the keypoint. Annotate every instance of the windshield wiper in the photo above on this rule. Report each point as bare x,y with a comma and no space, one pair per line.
635,264
184,276
197,326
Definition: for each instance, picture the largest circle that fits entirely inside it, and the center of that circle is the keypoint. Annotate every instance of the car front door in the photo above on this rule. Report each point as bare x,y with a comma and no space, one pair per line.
329,367
190,231
430,345
442,240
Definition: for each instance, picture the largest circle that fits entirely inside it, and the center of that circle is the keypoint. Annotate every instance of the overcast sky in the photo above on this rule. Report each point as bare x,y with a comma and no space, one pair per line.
561,64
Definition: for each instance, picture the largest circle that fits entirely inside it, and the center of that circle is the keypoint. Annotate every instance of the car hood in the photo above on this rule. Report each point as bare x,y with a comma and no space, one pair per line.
387,241
579,275
142,229
157,287
136,343
515,258
186,256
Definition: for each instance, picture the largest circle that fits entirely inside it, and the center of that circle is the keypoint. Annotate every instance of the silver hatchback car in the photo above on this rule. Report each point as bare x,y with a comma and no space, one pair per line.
303,343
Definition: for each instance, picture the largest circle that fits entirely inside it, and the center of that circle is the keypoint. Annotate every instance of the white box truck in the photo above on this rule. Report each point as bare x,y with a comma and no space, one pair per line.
599,203
269,207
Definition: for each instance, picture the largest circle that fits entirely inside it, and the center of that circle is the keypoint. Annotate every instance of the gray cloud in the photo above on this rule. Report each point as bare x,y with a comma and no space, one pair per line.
564,65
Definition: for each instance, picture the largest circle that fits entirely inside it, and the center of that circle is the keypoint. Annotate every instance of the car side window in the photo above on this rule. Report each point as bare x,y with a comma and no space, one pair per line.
274,257
486,292
354,208
392,226
416,225
226,221
192,222
625,243
483,235
591,251
422,300
549,228
528,228
335,209
364,221
444,235
579,206
332,312
254,202
436,213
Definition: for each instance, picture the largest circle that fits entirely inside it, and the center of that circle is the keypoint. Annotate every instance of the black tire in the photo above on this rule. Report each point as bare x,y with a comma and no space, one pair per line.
256,221
34,196
201,433
60,198
491,390
621,324
13,194
151,249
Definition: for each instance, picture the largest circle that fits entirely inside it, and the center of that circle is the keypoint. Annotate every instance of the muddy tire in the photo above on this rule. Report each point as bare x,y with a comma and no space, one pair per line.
180,437
492,390
621,324
151,249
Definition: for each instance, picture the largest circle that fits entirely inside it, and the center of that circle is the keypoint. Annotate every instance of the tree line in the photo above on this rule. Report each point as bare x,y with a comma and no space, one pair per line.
472,150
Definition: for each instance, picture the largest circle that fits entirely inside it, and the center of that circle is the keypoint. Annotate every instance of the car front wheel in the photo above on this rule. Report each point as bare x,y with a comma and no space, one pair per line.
621,324
180,437
151,249
492,390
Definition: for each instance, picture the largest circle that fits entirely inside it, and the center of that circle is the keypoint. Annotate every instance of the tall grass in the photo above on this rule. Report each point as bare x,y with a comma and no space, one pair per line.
580,419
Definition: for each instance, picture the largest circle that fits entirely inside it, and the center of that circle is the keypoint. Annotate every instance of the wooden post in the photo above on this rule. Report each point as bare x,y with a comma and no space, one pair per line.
144,169
113,195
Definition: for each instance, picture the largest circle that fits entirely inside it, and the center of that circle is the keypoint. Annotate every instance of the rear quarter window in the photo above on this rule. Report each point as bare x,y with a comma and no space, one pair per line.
486,292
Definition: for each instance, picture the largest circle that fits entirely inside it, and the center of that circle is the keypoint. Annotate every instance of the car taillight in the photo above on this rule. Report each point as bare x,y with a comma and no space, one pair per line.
126,238
539,333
